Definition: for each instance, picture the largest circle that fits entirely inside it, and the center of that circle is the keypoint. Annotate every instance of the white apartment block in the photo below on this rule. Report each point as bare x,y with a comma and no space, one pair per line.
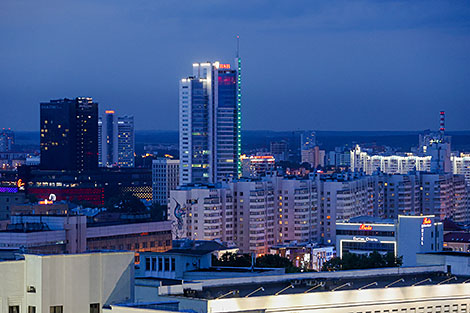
461,166
392,164
200,212
397,194
165,177
254,213
445,196
341,197
257,214
297,214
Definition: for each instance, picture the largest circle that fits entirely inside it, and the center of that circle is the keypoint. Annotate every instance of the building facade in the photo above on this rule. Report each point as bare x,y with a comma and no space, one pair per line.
257,165
60,233
80,283
404,237
7,140
116,140
280,150
165,177
210,123
389,164
461,166
69,128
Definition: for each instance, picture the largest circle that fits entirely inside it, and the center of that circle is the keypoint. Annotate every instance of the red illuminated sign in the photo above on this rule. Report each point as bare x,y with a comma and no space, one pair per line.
365,227
227,66
427,221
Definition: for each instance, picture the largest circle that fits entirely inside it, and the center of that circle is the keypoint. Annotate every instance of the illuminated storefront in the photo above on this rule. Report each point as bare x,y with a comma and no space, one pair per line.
405,236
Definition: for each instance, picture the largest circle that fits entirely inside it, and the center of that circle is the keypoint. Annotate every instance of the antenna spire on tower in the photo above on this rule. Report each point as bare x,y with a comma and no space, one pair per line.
238,46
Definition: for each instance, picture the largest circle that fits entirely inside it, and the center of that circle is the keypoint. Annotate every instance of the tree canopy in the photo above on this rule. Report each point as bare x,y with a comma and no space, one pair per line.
244,260
125,203
351,261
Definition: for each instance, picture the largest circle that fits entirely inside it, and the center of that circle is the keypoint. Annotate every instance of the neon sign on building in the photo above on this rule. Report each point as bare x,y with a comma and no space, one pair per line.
426,223
365,227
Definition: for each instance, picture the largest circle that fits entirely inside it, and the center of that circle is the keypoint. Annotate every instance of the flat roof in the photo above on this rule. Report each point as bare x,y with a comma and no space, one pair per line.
453,253
326,285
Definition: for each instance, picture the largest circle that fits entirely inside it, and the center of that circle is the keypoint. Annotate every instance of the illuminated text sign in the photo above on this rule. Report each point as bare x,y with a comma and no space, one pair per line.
365,227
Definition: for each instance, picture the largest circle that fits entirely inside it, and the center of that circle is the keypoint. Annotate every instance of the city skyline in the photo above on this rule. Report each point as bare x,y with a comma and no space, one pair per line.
364,63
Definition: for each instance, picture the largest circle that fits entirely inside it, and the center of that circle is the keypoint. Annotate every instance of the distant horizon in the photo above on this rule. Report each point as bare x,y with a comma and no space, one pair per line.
292,130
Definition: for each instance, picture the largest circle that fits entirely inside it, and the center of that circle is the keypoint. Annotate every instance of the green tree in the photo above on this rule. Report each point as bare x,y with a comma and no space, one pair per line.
244,260
276,261
232,259
158,212
362,261
125,203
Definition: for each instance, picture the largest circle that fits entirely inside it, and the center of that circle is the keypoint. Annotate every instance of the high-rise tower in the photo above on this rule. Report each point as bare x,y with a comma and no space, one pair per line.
209,123
116,140
69,134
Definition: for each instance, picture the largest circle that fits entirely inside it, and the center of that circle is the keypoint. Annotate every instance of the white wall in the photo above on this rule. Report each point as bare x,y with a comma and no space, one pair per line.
73,281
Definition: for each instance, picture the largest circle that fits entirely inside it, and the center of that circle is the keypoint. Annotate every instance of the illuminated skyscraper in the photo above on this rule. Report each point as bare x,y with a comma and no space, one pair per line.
69,134
209,123
116,140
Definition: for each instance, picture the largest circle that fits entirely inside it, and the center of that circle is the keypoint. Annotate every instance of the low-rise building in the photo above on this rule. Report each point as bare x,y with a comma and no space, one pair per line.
404,237
457,241
308,256
10,197
79,283
415,289
49,234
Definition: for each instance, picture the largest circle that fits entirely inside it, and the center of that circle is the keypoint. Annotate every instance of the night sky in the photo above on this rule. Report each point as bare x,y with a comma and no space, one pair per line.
326,65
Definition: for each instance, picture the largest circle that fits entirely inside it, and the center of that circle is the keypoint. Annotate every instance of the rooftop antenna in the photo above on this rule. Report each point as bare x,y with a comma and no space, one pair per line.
238,46
442,122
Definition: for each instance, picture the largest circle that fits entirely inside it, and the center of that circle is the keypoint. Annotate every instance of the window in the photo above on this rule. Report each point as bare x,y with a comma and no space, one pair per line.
14,309
154,264
31,309
173,264
57,309
147,264
167,265
94,308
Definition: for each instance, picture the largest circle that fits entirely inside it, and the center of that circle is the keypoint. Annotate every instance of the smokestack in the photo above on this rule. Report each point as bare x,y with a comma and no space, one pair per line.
442,126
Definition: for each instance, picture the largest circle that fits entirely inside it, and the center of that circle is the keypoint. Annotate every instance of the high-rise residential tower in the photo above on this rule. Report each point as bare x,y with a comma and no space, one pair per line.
209,123
69,134
116,140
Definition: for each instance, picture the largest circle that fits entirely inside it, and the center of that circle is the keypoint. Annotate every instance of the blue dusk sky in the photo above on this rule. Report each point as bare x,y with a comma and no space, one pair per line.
325,65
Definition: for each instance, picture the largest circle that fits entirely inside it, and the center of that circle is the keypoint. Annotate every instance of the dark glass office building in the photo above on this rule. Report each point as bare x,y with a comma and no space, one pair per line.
69,134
